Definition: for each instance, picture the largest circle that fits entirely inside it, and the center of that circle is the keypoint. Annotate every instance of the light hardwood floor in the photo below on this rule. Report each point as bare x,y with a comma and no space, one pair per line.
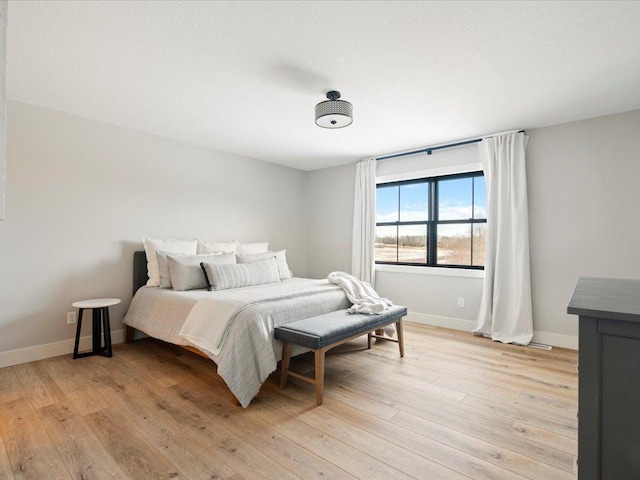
456,407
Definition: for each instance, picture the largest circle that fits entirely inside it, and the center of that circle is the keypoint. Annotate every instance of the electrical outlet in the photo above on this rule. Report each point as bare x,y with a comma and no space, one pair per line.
72,317
461,302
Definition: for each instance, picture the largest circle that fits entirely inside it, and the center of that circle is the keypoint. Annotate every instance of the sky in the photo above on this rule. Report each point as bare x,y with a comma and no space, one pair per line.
455,202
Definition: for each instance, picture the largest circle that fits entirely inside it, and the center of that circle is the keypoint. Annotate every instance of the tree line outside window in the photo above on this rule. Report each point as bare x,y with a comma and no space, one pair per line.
435,221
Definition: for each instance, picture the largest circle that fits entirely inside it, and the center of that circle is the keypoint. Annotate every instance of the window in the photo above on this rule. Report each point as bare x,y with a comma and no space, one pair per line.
435,221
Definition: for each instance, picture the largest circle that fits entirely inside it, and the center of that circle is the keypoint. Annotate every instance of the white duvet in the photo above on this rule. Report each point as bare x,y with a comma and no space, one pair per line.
234,327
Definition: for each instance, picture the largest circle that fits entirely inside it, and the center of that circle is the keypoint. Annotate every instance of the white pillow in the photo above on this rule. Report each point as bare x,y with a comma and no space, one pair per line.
152,245
281,260
252,248
222,277
186,272
212,247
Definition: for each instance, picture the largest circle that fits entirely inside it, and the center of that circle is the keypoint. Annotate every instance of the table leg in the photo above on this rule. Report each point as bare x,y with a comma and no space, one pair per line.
97,331
78,330
107,332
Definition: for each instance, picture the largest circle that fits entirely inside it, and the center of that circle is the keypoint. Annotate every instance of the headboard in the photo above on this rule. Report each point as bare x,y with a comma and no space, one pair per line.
140,276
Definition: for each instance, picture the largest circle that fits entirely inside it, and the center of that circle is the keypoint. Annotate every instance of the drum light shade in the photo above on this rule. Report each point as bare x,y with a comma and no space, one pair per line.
334,113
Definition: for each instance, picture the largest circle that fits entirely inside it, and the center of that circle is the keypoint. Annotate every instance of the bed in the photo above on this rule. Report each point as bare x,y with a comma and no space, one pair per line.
234,328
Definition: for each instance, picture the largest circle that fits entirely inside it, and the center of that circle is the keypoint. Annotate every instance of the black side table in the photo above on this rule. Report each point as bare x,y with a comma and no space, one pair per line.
100,307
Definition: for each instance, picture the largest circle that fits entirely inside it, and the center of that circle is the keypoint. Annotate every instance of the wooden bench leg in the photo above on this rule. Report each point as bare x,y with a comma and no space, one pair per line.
400,337
319,353
284,365
319,377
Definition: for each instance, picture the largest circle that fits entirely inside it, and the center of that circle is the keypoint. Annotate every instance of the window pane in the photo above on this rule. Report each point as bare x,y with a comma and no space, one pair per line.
387,204
414,202
454,199
386,246
412,244
454,244
479,243
480,198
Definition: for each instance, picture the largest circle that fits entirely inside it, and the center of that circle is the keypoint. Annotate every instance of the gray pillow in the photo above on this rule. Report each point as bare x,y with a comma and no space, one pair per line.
186,273
280,256
222,277
163,266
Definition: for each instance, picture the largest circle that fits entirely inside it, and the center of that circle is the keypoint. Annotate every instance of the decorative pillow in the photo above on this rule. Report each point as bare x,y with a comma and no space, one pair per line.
222,277
186,273
213,247
252,248
152,245
280,256
163,267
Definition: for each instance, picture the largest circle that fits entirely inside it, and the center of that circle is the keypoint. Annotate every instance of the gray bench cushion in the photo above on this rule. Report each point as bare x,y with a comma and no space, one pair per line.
323,330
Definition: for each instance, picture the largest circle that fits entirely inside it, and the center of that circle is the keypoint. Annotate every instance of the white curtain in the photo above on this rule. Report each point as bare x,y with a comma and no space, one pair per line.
505,310
364,221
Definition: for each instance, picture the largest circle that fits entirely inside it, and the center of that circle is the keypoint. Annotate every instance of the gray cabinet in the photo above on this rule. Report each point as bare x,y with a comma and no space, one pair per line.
609,378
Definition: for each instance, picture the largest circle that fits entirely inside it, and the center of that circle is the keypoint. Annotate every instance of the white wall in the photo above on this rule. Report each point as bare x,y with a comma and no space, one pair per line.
3,100
330,219
583,207
584,201
433,299
82,194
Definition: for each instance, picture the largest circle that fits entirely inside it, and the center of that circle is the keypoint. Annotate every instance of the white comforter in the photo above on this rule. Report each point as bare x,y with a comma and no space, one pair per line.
234,327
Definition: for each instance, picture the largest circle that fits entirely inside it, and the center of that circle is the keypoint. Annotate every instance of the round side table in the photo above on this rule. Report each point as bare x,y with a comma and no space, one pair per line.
100,307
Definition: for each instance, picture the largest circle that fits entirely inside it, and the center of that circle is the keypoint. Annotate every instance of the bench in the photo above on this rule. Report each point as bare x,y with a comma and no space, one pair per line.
326,331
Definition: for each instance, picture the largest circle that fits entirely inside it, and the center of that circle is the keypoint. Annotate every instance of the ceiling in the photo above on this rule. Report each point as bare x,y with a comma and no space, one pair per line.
244,77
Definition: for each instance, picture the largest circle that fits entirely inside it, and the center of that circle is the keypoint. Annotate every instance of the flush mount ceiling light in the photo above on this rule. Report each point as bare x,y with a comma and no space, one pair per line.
334,113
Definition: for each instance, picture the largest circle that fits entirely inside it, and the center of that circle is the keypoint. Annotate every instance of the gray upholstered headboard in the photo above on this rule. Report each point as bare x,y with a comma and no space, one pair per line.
140,276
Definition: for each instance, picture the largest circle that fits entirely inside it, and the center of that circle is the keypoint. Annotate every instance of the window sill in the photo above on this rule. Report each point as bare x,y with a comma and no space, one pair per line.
447,272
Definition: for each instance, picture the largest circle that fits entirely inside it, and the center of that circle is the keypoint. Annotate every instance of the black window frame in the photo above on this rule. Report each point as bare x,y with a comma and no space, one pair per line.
433,221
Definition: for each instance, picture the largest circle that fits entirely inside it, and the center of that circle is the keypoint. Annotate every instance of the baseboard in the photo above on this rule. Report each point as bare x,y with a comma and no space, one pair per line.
29,354
554,339
440,321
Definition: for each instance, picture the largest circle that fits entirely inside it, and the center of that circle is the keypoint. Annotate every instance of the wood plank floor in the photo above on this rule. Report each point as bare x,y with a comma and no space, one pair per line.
455,407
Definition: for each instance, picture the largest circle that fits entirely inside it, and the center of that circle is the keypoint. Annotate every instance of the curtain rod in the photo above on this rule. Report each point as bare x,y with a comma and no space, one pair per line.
430,150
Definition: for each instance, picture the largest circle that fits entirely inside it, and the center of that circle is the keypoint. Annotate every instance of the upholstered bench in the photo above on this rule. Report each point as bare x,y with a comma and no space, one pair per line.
324,332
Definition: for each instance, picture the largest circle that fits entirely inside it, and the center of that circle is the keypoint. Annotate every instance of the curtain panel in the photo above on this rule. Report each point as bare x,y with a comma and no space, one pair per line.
364,222
505,313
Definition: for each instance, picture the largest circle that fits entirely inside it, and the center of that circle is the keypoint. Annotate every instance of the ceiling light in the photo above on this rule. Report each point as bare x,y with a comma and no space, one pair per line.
334,113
